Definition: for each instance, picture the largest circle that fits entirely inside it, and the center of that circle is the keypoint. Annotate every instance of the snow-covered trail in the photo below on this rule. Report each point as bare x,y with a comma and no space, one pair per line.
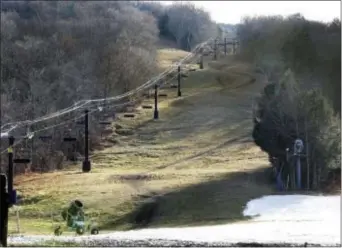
292,219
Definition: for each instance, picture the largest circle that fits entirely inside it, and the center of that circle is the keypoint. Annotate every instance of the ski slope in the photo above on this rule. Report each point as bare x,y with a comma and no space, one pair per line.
292,219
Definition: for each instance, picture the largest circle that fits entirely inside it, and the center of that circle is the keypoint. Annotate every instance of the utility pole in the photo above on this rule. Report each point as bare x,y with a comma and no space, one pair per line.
86,166
4,205
234,43
307,157
288,165
179,81
201,62
29,130
225,46
215,49
292,169
298,148
8,198
156,113
10,192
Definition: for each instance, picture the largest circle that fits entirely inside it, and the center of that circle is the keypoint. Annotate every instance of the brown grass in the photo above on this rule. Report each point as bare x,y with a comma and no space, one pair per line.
198,157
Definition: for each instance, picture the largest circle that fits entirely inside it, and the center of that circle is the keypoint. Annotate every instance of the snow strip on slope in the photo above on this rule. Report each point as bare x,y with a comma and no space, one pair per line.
279,219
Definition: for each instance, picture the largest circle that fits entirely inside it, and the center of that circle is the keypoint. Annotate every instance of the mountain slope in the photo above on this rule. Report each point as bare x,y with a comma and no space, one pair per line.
198,160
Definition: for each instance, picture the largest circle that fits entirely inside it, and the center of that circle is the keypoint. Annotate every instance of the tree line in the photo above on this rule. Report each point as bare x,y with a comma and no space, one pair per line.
55,53
182,22
301,62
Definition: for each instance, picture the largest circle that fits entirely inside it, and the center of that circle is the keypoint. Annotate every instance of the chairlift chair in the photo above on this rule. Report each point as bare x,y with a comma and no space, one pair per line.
23,151
80,122
70,138
104,122
45,138
23,155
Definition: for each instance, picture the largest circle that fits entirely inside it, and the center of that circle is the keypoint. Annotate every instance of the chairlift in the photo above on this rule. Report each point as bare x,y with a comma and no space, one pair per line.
129,115
57,132
69,139
147,94
23,150
104,108
108,115
69,133
104,116
72,140
21,161
23,153
45,138
105,122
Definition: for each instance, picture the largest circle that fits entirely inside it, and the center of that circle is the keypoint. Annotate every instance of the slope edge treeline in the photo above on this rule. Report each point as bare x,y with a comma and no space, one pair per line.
55,53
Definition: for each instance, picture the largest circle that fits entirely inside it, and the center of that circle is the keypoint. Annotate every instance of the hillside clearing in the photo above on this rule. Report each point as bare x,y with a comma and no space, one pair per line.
198,159
167,56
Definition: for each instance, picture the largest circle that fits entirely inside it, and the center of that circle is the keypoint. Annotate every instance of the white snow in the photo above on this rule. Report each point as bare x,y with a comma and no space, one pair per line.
278,219
295,208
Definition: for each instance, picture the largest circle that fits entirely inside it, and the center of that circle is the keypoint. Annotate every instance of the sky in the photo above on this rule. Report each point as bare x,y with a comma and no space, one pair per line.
232,11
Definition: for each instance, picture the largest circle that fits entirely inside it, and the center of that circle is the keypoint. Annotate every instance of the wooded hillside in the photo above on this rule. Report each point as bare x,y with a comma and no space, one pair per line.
301,60
60,52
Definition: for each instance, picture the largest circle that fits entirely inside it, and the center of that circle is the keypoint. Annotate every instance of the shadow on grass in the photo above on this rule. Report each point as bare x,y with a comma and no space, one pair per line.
231,141
177,164
213,202
195,114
